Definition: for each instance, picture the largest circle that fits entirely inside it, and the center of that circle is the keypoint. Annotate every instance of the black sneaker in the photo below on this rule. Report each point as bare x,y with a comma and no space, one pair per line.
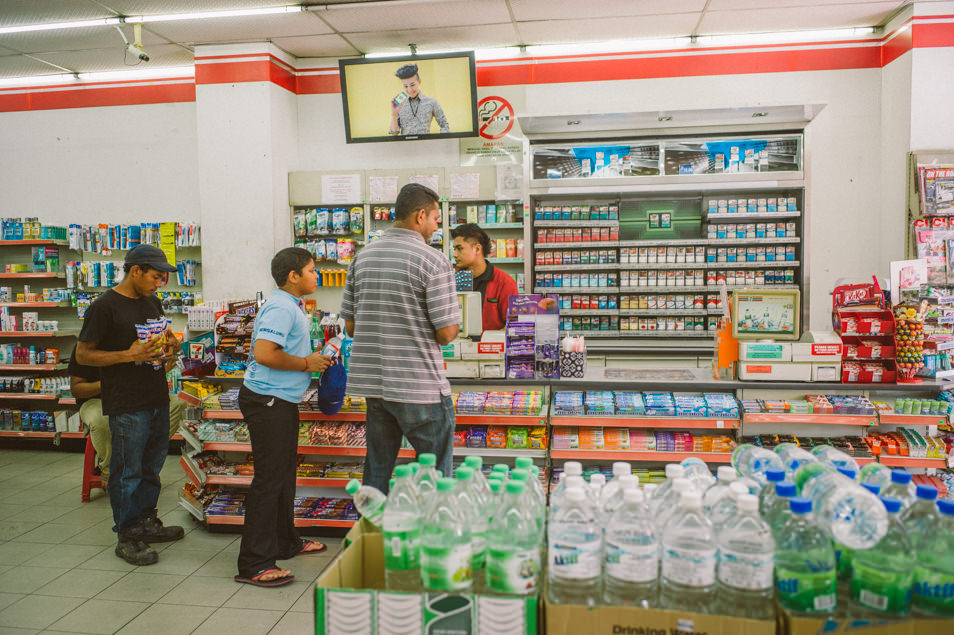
154,531
133,550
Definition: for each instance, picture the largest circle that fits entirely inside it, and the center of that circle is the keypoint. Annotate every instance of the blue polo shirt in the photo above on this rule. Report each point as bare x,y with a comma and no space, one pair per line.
281,320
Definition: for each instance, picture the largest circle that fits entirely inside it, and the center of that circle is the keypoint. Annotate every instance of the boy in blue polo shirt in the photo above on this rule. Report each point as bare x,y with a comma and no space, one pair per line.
278,375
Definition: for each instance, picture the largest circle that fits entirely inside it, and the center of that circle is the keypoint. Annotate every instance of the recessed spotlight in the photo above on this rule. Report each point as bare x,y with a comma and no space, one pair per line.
760,114
665,118
573,122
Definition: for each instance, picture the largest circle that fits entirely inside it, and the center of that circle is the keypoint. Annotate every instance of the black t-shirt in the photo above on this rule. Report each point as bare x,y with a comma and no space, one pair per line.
111,324
89,373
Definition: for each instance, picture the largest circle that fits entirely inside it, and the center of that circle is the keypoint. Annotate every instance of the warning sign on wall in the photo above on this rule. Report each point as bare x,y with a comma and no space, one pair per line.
495,143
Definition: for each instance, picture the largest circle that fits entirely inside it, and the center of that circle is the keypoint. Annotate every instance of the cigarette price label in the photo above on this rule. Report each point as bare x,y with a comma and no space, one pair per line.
720,423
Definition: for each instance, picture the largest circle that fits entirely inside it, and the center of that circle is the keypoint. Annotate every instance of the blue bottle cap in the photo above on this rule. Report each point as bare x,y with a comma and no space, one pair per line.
900,476
946,507
786,489
927,492
871,487
844,471
800,505
775,476
892,504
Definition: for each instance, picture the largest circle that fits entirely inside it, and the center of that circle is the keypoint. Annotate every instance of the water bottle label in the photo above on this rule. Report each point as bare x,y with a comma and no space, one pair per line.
934,590
808,592
690,568
750,571
882,589
576,560
513,570
446,568
402,550
632,563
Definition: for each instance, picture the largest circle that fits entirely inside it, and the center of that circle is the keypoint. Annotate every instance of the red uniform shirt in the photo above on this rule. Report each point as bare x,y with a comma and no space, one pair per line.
496,287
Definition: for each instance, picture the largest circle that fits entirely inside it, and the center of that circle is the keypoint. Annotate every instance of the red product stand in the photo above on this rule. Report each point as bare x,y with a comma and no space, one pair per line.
867,329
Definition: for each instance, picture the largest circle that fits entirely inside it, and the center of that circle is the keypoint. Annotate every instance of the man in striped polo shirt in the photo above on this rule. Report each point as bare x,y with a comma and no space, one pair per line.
400,305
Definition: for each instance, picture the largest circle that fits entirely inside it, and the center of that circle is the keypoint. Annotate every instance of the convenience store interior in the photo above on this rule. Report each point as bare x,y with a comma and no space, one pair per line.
233,129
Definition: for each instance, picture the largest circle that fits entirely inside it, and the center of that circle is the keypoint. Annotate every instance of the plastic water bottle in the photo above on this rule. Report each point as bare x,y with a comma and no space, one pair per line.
631,554
934,572
620,468
768,495
881,577
446,551
835,458
536,505
805,563
574,540
537,486
598,479
367,499
876,474
673,471
728,506
513,546
477,465
746,567
688,558
670,504
649,490
401,529
901,488
427,477
610,505
495,498
793,456
698,473
570,468
778,512
921,518
473,504
852,516
726,474
558,495
752,461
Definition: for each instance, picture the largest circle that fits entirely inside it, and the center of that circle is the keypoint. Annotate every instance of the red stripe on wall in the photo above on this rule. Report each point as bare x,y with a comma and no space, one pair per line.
896,46
94,97
318,84
933,35
246,71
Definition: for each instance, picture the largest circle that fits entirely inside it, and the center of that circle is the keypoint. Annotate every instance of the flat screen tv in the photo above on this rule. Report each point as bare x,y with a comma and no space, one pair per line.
412,97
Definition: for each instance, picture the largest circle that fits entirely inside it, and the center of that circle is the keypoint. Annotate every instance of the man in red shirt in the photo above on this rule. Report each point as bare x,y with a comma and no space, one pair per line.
471,249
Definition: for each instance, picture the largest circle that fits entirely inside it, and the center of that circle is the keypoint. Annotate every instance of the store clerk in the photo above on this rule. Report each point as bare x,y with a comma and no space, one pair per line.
471,249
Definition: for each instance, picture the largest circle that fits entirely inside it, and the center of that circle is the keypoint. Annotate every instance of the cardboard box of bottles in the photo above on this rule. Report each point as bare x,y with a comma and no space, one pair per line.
350,598
792,625
565,619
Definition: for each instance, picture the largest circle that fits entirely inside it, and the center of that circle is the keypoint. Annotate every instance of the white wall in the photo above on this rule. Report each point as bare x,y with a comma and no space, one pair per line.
108,164
932,101
895,144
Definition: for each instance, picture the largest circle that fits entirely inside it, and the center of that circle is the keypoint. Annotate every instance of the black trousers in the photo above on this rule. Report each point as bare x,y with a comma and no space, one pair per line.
269,533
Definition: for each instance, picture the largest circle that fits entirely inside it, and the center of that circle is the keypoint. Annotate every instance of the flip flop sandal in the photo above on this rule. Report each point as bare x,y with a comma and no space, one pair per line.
256,580
305,551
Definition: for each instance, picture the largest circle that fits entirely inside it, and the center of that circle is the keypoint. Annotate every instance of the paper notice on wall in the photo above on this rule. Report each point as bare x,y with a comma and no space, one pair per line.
341,188
509,182
431,181
382,189
465,186
167,241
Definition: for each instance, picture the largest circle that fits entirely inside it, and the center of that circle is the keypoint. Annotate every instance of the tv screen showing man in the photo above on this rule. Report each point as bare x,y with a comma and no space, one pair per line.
411,109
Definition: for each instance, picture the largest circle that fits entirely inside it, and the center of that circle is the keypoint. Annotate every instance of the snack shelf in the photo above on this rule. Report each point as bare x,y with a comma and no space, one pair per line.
191,507
35,305
323,450
67,401
214,519
738,216
41,241
40,435
688,423
590,312
578,267
60,333
33,367
910,461
190,438
30,275
491,419
558,290
633,455
501,261
192,400
580,245
576,223
502,452
787,417
28,395
501,225
662,312
236,415
912,420
199,477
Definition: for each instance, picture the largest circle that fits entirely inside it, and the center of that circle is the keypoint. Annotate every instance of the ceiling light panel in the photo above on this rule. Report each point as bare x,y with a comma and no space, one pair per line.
826,16
169,7
601,29
248,28
419,16
451,38
529,10
316,46
26,12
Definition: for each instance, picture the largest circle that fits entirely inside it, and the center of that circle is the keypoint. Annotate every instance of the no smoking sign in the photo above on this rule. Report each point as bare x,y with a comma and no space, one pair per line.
494,117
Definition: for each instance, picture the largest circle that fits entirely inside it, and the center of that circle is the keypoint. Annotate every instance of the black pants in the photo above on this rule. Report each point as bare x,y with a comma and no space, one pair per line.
269,533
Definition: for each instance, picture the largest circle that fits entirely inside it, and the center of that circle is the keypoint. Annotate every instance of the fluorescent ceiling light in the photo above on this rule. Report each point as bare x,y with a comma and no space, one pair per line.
39,80
783,37
83,24
612,46
203,15
168,72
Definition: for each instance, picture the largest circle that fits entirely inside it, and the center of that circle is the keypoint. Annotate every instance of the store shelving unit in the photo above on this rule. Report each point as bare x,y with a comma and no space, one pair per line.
676,423
791,418
637,456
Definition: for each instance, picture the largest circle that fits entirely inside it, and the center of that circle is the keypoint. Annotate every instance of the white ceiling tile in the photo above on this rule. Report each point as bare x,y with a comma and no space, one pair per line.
241,28
159,7
423,16
22,66
527,10
793,19
20,12
484,36
602,29
73,39
316,46
757,5
113,60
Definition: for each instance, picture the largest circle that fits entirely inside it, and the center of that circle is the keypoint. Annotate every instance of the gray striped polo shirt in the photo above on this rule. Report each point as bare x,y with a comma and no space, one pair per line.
398,292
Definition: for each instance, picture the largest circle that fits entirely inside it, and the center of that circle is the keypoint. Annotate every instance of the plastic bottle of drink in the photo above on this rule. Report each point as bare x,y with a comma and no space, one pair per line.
921,517
670,504
850,514
689,548
332,347
805,563
513,546
631,554
367,499
746,567
558,495
495,498
901,488
473,504
881,577
779,511
649,490
574,540
537,485
698,473
768,495
726,474
570,468
728,505
934,572
793,456
752,461
673,471
620,468
537,506
835,458
609,504
477,465
446,551
426,478
501,468
876,474
401,529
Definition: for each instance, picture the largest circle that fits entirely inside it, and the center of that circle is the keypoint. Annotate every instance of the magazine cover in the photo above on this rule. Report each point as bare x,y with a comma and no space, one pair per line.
937,189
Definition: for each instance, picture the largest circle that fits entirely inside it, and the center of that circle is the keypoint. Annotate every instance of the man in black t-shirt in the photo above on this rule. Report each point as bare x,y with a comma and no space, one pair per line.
135,398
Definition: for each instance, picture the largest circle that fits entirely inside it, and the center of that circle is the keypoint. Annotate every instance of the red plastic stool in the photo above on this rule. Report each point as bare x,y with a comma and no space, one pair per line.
90,480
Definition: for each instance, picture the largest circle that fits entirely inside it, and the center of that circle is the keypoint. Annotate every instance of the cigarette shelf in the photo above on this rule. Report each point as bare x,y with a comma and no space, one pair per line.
909,461
911,420
781,240
666,265
31,275
558,290
757,215
501,225
32,242
634,455
60,333
578,267
671,242
642,333
503,261
579,245
686,423
664,311
747,264
28,395
590,312
576,223
23,434
32,367
787,417
35,305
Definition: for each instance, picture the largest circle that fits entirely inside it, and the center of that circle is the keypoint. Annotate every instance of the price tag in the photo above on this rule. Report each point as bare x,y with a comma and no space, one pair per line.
947,299
946,346
720,423
947,319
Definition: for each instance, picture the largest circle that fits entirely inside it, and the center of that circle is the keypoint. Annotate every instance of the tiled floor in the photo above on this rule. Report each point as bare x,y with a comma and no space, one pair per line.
58,572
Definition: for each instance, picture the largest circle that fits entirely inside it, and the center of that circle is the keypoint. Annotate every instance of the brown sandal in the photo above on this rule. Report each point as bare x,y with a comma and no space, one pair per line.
311,547
256,580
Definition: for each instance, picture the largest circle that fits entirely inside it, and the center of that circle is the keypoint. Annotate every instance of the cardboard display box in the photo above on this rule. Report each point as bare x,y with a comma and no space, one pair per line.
350,598
792,625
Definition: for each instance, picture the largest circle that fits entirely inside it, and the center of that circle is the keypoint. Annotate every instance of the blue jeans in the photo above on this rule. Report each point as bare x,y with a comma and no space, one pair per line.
139,447
429,427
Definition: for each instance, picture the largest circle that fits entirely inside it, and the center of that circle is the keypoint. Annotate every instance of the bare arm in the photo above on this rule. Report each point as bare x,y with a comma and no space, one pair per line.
447,334
82,388
270,354
349,327
88,355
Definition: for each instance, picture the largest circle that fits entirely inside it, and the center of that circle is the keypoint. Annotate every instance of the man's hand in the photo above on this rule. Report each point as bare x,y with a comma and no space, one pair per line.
317,363
148,351
172,347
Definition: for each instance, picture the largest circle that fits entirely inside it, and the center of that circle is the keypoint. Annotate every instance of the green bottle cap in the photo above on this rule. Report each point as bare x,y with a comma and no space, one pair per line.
519,475
427,459
402,471
496,485
523,462
464,473
515,487
391,484
474,462
353,486
502,468
415,466
445,484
